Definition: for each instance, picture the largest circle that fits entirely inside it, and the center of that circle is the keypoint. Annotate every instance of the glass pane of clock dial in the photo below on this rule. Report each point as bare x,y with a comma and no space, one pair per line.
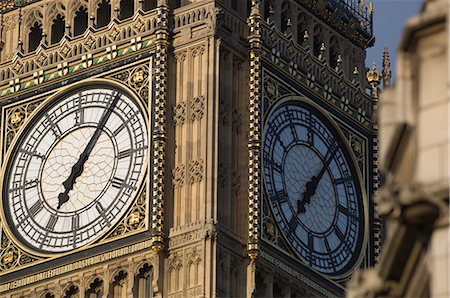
313,188
44,158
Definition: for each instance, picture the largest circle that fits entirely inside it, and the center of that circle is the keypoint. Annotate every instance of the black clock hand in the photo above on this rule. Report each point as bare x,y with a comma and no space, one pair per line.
78,167
311,185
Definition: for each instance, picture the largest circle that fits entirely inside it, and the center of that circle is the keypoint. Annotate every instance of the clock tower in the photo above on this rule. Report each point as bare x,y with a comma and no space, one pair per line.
177,148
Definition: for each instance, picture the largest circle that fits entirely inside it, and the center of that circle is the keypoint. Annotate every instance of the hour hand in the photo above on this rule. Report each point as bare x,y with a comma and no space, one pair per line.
310,190
76,171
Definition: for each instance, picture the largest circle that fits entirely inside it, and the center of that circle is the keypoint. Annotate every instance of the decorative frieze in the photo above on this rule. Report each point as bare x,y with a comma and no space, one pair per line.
185,238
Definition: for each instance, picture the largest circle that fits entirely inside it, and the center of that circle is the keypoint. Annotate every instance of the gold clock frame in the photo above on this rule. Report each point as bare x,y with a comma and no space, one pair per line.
144,183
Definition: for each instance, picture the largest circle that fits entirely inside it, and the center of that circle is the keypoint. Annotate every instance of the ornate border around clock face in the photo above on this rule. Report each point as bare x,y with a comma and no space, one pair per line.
273,90
136,76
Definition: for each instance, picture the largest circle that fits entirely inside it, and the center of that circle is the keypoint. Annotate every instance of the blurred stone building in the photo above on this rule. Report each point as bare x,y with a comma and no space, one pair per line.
414,160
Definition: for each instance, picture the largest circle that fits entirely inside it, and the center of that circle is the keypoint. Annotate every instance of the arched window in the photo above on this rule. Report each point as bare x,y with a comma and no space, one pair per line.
302,26
126,9
143,282
80,21
118,286
49,295
333,51
234,4
103,13
95,289
71,292
268,9
149,5
285,16
34,37
58,27
318,40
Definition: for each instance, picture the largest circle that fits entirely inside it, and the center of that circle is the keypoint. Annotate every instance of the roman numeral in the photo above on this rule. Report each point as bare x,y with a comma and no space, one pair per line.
32,153
79,116
75,222
99,208
310,242
327,245
274,165
51,222
28,185
293,223
117,182
281,196
339,233
343,210
124,154
36,208
119,129
53,126
343,180
120,183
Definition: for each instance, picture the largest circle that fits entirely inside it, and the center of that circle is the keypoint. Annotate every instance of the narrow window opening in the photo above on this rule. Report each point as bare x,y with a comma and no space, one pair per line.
143,282
126,9
103,14
34,37
80,22
318,40
285,17
149,5
301,28
58,27
333,52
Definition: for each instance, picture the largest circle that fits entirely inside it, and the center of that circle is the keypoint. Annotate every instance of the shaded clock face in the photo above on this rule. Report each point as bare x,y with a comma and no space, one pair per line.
313,188
75,169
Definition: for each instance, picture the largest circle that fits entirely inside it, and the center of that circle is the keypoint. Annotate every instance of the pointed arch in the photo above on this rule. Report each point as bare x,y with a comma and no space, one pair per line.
103,13
35,36
57,29
126,9
149,5
80,21
143,282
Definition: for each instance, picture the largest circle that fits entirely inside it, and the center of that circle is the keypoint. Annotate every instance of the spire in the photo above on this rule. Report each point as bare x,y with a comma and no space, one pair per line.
386,69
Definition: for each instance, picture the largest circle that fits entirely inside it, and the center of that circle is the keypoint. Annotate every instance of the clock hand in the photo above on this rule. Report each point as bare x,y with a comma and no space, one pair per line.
311,185
78,167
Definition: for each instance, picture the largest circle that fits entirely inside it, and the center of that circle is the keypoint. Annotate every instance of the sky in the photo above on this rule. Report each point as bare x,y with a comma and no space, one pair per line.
389,20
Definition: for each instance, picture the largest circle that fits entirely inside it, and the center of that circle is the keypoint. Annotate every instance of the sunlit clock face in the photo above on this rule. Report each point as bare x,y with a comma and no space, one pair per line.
75,169
313,188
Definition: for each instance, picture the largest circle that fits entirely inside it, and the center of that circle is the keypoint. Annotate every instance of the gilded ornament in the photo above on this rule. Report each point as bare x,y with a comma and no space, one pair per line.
8,257
135,218
139,76
16,119
271,89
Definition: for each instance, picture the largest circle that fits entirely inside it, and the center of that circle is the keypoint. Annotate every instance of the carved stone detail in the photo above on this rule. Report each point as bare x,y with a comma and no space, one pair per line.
16,116
195,171
179,113
196,108
254,142
178,176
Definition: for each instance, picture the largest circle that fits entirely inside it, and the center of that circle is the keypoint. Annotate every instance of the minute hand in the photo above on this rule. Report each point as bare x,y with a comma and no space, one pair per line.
78,167
311,186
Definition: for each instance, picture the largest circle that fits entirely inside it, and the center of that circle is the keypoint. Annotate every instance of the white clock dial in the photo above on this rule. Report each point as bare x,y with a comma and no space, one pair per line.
76,169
